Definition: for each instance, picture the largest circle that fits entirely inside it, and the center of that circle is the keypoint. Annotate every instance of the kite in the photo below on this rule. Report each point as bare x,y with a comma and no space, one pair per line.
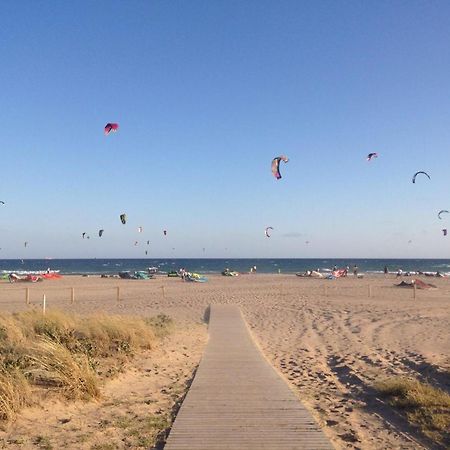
111,127
123,218
139,229
370,156
442,211
276,165
165,232
266,231
100,233
444,231
83,235
146,252
25,243
417,173
2,202
136,243
148,242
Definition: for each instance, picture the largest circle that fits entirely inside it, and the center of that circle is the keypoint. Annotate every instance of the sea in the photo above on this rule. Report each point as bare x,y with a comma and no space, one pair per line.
217,265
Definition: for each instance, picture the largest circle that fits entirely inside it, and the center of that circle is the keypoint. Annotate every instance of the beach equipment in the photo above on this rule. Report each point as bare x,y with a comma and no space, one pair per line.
371,156
266,231
276,165
123,218
417,173
442,211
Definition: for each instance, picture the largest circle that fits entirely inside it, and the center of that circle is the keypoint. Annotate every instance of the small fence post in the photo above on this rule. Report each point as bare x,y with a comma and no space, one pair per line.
44,300
414,290
27,296
163,291
72,295
118,293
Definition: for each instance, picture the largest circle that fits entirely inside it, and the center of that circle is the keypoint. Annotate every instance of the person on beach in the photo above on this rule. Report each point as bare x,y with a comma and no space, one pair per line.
386,270
355,270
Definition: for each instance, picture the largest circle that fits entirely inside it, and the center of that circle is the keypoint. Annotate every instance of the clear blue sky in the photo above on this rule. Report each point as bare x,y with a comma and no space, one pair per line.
206,93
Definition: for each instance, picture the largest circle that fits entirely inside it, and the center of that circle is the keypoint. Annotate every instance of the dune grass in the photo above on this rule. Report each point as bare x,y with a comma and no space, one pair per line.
425,406
66,354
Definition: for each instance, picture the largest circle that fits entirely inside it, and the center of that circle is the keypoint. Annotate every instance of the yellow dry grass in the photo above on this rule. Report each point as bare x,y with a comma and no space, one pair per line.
425,406
65,353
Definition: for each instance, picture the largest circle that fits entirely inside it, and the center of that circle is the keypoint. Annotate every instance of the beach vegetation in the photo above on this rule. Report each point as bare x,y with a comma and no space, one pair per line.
425,407
67,355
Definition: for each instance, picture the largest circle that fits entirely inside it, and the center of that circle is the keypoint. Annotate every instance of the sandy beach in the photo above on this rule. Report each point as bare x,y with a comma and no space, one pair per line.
331,340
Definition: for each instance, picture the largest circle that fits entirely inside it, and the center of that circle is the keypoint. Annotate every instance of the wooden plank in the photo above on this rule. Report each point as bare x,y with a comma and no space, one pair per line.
238,401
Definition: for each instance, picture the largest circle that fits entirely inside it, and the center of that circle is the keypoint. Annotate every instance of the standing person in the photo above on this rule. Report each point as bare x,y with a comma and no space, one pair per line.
355,270
386,271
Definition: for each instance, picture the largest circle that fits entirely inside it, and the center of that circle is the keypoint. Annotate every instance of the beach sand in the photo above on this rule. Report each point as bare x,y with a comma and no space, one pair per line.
329,339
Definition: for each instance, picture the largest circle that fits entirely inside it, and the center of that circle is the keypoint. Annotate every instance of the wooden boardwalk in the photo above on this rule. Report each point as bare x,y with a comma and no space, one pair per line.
237,400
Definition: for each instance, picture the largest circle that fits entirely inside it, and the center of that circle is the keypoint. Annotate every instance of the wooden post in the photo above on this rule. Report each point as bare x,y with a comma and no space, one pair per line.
72,295
118,293
163,290
27,296
43,304
414,291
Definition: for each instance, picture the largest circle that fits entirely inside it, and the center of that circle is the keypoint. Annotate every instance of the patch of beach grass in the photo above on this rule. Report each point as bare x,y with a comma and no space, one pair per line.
426,407
14,393
161,324
67,354
52,365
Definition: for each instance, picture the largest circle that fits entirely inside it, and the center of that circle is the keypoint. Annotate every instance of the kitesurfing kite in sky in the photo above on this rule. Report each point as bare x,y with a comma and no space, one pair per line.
2,202
165,232
370,156
100,233
276,165
444,231
123,218
441,212
83,235
25,243
266,231
111,127
417,173
139,229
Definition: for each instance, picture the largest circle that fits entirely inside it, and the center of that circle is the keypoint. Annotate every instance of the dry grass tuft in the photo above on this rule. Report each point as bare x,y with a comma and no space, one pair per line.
60,352
52,365
425,406
14,393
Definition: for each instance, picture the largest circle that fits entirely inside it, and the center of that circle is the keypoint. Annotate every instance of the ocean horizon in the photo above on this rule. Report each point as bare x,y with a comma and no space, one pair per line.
98,266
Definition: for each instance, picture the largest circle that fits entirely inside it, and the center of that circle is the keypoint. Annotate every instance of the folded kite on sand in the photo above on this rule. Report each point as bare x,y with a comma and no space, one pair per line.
419,285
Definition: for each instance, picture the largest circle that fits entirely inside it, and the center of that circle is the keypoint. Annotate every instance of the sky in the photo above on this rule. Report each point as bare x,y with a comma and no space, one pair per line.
206,94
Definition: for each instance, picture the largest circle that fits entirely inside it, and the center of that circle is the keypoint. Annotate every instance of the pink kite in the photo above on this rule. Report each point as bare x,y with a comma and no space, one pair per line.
111,127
